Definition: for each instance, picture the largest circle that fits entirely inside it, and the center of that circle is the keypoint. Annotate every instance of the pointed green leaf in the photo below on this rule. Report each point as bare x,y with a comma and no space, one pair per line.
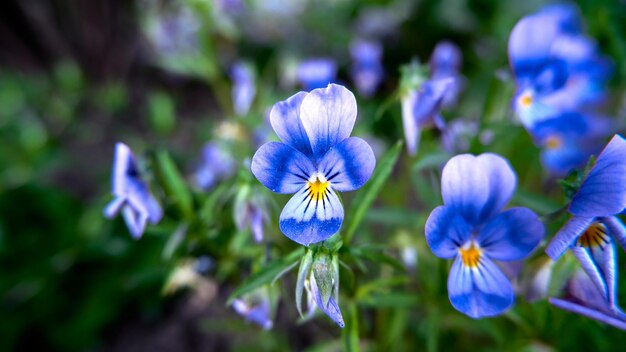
368,193
174,184
266,274
350,334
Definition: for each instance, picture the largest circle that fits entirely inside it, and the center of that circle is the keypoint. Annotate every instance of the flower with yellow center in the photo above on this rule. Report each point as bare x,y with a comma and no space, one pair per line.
470,255
317,187
594,236
526,100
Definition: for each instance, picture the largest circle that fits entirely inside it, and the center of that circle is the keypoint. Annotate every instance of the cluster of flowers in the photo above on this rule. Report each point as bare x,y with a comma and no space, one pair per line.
561,81
559,75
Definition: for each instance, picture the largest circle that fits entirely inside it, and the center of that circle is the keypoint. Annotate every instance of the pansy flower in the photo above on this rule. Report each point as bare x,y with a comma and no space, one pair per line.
317,157
590,233
244,89
473,229
555,65
421,108
316,73
569,139
583,297
132,194
215,165
445,62
255,308
367,70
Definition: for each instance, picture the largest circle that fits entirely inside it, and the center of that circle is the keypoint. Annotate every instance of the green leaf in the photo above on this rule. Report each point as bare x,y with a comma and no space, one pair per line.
431,161
376,255
350,334
303,272
162,112
267,274
174,184
368,193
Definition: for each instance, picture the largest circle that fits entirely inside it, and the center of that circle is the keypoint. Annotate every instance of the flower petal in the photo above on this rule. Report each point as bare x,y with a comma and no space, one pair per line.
331,309
309,219
136,219
587,312
590,266
603,193
446,231
328,116
530,43
348,165
566,236
124,168
511,235
285,120
478,292
477,186
617,230
281,168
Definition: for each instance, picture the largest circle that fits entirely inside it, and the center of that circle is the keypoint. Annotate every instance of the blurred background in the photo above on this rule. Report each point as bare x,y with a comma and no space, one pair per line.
77,76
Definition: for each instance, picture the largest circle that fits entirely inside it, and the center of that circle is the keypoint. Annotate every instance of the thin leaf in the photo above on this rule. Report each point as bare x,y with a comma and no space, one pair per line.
174,184
267,274
350,334
369,192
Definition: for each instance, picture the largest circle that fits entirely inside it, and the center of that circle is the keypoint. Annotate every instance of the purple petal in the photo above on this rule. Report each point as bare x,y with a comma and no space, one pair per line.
616,229
590,266
124,168
511,235
446,231
479,292
588,312
136,219
281,168
328,116
317,73
307,220
331,309
477,186
603,192
348,165
285,120
566,236
530,42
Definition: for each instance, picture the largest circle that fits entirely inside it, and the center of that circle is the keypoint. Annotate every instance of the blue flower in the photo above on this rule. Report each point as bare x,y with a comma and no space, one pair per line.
601,196
472,229
556,66
316,73
569,139
367,70
584,298
131,192
255,308
316,158
249,212
445,62
420,109
243,90
216,164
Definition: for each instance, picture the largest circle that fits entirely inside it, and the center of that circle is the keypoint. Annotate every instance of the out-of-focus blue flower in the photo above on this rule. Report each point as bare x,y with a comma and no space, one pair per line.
421,102
472,228
131,192
445,62
584,298
174,33
600,197
250,212
569,139
244,88
316,73
316,158
556,67
457,135
215,164
367,70
255,308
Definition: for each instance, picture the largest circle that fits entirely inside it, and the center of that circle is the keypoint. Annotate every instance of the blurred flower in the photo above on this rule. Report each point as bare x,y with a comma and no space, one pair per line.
215,165
590,233
584,298
250,212
132,194
569,139
537,283
421,101
316,158
556,66
255,308
458,134
319,276
367,70
316,73
244,88
445,62
175,32
472,228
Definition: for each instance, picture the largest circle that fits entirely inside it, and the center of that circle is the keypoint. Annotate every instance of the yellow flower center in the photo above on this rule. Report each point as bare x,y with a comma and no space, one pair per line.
526,100
318,186
470,255
594,236
553,142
